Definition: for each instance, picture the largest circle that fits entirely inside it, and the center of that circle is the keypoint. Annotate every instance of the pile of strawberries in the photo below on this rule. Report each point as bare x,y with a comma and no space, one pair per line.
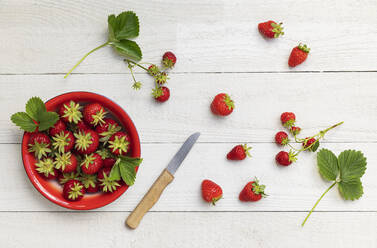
80,150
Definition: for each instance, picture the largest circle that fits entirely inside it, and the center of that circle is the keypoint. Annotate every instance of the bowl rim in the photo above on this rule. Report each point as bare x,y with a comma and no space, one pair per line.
136,150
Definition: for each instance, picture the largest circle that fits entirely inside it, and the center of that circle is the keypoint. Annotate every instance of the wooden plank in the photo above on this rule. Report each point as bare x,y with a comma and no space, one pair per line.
186,229
294,188
318,99
49,37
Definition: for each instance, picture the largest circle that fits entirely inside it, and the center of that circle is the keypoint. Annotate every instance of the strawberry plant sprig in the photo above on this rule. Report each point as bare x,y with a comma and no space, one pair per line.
124,169
121,29
345,170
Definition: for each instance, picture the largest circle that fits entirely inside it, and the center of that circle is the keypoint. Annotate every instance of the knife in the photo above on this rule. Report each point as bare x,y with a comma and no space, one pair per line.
166,177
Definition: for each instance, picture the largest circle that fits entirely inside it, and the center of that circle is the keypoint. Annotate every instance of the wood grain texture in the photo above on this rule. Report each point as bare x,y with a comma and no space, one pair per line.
318,99
294,188
218,36
149,199
222,230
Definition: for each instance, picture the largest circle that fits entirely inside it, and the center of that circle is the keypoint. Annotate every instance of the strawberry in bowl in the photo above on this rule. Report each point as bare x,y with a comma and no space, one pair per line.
69,140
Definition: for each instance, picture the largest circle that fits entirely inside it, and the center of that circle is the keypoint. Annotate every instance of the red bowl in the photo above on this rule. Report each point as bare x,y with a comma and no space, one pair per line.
50,188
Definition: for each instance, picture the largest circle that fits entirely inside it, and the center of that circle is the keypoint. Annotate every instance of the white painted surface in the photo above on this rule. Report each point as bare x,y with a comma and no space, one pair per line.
42,39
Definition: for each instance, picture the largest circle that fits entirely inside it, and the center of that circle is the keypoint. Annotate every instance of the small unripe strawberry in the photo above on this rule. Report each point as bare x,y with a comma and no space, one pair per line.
295,130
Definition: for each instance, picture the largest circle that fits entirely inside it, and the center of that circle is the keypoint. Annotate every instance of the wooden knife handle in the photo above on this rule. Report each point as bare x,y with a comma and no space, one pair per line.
149,199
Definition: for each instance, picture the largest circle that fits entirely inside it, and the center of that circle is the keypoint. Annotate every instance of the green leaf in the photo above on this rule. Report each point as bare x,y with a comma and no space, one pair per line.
327,164
351,190
128,48
126,26
35,107
111,21
115,172
127,167
24,121
352,165
47,120
315,146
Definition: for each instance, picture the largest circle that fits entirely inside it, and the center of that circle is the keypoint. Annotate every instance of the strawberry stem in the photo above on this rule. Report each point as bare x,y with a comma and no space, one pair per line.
315,205
86,55
130,61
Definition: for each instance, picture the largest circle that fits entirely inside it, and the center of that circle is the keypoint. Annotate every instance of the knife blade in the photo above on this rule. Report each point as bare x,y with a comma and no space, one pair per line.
165,178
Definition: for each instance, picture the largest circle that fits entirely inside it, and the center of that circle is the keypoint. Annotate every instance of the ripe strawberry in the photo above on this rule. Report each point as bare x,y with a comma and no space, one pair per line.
270,29
109,162
107,130
63,141
119,143
57,128
65,177
285,158
153,70
169,60
295,130
91,163
281,138
70,112
81,125
94,114
311,144
65,162
222,105
46,168
239,152
298,55
288,119
90,183
73,190
39,144
87,141
105,183
164,95
211,192
252,191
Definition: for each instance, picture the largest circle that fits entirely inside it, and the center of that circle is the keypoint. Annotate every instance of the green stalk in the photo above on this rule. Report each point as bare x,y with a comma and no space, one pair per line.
315,205
130,61
86,55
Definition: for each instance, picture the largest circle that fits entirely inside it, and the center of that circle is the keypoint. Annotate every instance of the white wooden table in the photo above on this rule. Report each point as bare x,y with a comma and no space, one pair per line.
218,49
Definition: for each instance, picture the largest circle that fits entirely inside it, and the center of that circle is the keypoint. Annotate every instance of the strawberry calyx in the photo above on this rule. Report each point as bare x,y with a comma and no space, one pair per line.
161,78
68,176
98,117
88,180
60,141
83,140
229,102
112,129
45,167
304,48
107,184
137,85
215,199
104,153
39,149
292,156
62,160
119,144
153,70
88,160
258,189
72,112
247,149
75,191
157,92
277,29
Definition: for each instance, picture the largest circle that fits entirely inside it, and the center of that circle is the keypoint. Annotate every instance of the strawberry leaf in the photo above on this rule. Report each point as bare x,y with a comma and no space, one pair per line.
125,169
315,146
47,120
24,121
352,165
35,107
115,172
327,164
128,48
111,20
126,26
351,190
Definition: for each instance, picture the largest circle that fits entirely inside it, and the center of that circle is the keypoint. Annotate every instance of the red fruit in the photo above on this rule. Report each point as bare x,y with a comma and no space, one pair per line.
308,142
46,168
39,144
70,112
211,192
252,191
222,105
298,55
169,60
295,130
65,162
57,128
109,162
87,141
81,125
119,143
91,164
94,114
73,190
285,158
288,119
107,130
164,95
153,70
239,152
270,29
281,138
105,183
90,183
63,141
